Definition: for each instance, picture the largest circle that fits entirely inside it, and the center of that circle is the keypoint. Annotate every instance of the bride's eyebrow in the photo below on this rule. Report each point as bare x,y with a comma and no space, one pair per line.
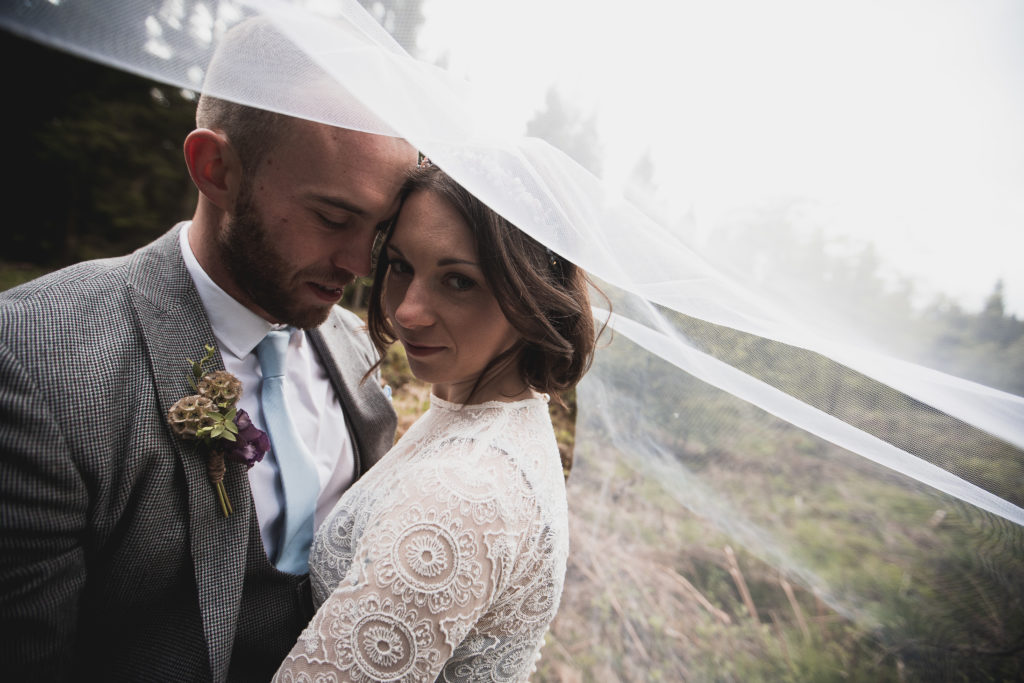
449,261
457,261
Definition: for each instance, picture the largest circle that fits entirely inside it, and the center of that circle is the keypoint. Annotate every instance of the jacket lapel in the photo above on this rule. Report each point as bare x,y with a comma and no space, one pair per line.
370,417
174,328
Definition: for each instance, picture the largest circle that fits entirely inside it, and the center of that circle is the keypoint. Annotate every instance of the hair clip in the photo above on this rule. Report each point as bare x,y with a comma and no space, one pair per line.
553,258
423,161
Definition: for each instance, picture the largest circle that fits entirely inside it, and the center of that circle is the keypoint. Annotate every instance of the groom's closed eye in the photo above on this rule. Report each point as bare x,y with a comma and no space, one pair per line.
334,223
399,267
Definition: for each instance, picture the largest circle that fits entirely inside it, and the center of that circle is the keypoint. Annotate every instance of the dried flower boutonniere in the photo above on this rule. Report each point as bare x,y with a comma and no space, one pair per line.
210,416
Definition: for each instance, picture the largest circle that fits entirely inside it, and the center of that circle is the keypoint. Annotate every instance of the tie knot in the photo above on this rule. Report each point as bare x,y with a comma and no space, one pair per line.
271,352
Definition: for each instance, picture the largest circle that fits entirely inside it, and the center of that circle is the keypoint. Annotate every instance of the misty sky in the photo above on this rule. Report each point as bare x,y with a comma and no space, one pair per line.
903,120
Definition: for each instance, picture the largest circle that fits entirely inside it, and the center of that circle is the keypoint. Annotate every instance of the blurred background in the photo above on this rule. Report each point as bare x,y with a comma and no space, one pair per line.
914,239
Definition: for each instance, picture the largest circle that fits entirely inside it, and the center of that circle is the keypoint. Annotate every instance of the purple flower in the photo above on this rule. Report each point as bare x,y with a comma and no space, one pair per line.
252,442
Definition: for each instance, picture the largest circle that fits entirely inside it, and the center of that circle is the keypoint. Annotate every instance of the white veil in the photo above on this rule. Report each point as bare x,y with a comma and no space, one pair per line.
770,481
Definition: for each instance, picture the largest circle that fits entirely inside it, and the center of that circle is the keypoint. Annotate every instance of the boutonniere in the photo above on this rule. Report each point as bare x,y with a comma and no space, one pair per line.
210,416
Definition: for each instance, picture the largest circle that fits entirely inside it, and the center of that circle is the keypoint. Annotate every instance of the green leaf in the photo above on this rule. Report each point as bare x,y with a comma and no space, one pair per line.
195,374
210,351
198,368
228,436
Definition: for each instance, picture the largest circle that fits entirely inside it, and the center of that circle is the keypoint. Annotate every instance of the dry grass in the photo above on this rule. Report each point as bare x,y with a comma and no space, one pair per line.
653,593
595,610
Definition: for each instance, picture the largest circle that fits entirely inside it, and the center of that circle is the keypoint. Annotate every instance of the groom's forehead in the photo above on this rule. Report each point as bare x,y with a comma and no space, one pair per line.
326,165
315,139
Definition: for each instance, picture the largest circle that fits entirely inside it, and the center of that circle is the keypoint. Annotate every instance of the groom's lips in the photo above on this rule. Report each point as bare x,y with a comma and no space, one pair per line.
419,350
326,293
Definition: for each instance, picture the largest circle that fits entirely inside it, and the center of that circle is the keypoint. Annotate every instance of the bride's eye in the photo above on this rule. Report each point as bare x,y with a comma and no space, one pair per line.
458,282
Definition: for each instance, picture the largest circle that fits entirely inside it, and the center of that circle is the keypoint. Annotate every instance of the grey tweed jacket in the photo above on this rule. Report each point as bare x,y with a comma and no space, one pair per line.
115,561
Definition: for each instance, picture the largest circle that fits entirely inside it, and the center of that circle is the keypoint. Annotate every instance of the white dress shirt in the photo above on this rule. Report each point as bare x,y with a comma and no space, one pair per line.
312,402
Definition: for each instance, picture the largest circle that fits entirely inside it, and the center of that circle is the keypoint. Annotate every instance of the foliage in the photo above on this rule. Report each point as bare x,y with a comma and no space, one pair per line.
848,286
561,125
904,583
966,344
13,274
401,18
652,594
100,162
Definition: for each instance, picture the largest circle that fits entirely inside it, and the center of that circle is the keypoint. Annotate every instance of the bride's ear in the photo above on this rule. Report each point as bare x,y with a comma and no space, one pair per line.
213,165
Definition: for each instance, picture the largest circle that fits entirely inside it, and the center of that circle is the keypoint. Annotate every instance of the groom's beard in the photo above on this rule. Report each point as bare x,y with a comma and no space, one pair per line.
250,255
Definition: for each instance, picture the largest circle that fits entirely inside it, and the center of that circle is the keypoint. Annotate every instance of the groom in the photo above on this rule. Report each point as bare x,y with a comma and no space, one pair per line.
116,562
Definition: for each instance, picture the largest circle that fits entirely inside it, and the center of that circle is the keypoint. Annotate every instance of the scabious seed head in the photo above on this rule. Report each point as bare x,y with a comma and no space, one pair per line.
190,414
221,387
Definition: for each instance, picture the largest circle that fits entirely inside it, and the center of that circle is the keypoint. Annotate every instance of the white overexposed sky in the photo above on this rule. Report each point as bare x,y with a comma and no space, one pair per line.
905,118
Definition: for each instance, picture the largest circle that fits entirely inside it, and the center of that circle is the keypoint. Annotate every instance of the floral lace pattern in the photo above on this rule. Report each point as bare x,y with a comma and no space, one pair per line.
446,561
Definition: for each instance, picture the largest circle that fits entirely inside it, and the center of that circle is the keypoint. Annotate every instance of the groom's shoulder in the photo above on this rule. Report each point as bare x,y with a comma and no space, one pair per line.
345,331
67,311
347,319
88,303
63,291
88,287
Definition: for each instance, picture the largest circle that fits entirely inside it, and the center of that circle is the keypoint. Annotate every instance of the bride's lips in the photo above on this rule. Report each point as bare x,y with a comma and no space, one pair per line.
326,293
419,350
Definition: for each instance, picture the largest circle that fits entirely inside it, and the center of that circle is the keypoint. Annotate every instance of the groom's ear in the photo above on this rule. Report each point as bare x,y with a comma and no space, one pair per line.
213,165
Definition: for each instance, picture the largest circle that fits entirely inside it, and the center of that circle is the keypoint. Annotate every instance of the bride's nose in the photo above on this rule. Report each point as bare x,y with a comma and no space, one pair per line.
414,308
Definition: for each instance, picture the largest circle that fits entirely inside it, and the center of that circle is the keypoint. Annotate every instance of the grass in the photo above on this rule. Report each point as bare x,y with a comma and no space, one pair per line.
652,593
13,274
650,585
842,570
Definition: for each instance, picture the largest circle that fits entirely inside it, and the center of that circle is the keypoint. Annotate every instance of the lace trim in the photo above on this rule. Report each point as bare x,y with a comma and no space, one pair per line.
447,559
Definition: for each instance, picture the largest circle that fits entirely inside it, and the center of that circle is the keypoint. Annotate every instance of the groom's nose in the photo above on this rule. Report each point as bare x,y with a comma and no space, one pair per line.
353,254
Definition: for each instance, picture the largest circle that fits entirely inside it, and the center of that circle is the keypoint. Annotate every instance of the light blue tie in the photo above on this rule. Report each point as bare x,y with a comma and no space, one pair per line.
298,472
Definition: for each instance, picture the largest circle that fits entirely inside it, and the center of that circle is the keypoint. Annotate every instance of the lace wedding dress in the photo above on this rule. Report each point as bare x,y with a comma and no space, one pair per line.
446,560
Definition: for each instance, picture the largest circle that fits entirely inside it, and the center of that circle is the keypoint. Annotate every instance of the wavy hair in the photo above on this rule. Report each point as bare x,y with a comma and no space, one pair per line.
543,296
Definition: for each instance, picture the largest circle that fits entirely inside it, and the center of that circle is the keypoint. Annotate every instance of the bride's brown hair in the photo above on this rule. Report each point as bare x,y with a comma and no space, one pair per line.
543,296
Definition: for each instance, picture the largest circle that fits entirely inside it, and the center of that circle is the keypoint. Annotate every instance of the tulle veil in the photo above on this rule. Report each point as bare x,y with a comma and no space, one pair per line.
771,481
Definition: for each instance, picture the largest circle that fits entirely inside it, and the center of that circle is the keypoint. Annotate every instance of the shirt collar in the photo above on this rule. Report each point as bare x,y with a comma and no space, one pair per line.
237,329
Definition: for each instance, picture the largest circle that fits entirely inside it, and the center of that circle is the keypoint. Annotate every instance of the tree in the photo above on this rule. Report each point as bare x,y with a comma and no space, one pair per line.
100,167
99,162
993,325
567,130
401,18
986,347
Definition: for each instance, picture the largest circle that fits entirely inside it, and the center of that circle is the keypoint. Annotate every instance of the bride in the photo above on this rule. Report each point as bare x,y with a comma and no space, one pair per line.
447,559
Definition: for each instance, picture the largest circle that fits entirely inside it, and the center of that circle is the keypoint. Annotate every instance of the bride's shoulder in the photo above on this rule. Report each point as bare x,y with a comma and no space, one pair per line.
494,445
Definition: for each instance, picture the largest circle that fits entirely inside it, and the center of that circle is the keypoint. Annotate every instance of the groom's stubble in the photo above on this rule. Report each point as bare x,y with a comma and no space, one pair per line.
249,253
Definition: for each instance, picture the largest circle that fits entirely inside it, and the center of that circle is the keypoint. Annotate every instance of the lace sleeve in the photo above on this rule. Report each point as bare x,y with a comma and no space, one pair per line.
432,559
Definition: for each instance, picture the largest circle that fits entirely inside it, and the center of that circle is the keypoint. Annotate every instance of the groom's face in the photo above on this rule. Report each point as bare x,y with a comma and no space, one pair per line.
305,219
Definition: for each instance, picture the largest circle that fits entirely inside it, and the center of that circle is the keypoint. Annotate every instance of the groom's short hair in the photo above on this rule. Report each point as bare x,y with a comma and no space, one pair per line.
251,132
258,63
254,46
